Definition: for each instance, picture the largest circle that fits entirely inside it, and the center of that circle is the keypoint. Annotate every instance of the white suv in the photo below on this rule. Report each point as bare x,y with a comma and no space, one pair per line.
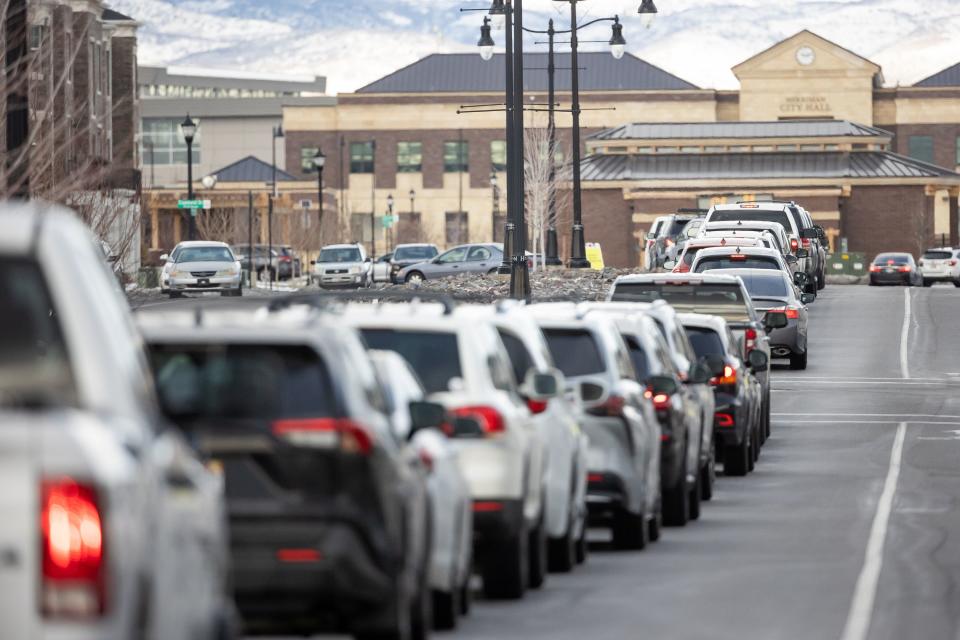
940,265
463,365
110,527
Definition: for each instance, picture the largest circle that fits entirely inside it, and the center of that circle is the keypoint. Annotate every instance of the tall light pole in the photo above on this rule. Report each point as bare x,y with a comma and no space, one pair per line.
413,197
373,200
319,160
389,213
277,134
552,258
495,186
189,129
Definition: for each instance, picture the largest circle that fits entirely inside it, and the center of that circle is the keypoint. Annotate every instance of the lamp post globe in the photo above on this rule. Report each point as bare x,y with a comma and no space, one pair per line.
189,129
648,11
498,13
390,203
618,45
486,42
319,160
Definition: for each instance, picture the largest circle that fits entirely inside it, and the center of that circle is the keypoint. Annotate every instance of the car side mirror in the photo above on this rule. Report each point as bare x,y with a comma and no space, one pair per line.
810,234
313,262
792,259
775,320
758,361
650,236
666,385
807,298
592,393
368,259
426,415
803,253
670,265
699,374
541,386
801,279
715,363
165,257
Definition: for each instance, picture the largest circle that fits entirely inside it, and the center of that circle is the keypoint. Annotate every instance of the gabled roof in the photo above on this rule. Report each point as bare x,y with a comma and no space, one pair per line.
806,36
949,77
109,15
788,165
251,169
716,130
468,73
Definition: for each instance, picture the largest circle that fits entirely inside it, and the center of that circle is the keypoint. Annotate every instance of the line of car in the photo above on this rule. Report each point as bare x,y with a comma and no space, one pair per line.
346,461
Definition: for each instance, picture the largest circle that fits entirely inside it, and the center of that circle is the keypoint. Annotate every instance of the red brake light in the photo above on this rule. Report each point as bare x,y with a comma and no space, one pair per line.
489,418
487,506
426,459
73,550
874,268
750,340
325,433
595,478
906,269
298,556
794,245
724,420
728,377
537,406
953,263
792,313
806,243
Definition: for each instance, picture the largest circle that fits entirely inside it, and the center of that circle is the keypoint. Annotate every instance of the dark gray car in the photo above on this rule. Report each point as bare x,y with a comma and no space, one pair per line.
466,258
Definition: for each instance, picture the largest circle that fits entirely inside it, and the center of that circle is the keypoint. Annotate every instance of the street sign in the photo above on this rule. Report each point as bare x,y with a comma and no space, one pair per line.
194,204
388,221
595,256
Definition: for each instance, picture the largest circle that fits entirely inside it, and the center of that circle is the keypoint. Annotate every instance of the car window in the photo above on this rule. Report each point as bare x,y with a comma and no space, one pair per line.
242,381
725,300
937,255
34,362
205,254
736,262
478,254
343,254
892,258
520,360
759,286
575,352
760,215
705,341
434,356
454,255
415,253
638,357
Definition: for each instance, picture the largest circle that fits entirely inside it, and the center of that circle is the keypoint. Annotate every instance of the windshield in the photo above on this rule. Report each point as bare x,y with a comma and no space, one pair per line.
415,253
937,255
731,262
205,254
575,352
346,254
242,382
34,364
780,217
724,300
892,258
706,342
434,356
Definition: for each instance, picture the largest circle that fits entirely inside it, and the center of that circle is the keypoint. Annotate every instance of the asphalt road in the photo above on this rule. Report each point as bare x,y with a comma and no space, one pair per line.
848,529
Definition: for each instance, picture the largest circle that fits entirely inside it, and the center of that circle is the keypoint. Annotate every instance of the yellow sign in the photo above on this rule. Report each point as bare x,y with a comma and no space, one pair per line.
595,256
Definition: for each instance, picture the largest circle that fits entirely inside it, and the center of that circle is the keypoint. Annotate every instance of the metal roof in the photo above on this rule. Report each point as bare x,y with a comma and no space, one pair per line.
251,169
109,15
467,73
949,77
773,129
815,164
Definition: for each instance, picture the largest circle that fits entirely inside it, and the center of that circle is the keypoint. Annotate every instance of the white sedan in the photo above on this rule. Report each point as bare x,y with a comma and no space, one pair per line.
201,267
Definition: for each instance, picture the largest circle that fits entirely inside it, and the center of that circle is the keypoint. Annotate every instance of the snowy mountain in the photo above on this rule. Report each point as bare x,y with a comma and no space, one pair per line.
354,42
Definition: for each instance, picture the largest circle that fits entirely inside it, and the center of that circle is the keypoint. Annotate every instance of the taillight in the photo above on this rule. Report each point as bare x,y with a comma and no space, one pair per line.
669,242
724,420
298,556
750,340
285,259
953,263
806,243
661,401
874,268
537,406
71,531
792,313
738,257
325,433
794,245
613,407
489,418
727,378
487,506
906,269
426,459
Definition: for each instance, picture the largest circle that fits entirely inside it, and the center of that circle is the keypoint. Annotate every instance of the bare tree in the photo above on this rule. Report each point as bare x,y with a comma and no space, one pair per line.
538,170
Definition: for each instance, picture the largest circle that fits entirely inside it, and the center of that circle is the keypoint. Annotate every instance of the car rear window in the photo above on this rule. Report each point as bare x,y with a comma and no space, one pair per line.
937,255
575,352
415,253
434,355
641,364
729,262
676,226
705,342
724,300
780,217
34,362
241,382
892,258
763,286
520,359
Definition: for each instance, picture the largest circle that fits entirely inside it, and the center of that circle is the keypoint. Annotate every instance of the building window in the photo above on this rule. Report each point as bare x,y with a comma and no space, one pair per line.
36,36
306,159
409,157
690,149
714,149
68,56
811,147
361,157
457,229
668,149
498,155
762,148
921,148
786,147
455,157
163,144
409,230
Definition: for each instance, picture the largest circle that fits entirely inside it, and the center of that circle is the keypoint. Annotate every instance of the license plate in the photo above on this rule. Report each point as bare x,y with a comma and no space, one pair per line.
203,281
889,270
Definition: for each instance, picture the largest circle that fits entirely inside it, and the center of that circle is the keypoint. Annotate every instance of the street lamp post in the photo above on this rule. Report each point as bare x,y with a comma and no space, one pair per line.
390,213
373,201
277,134
551,258
495,185
189,130
319,160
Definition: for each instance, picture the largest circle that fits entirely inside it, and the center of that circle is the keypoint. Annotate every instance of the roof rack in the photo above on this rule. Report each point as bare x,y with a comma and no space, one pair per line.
697,211
324,300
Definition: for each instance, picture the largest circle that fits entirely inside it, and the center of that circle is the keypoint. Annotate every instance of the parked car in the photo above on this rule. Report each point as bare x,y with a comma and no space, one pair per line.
343,266
557,421
738,418
721,258
405,255
690,230
895,268
650,243
780,239
111,527
451,509
623,488
289,265
329,517
266,259
666,236
463,366
940,265
201,267
467,258
685,261
381,268
773,291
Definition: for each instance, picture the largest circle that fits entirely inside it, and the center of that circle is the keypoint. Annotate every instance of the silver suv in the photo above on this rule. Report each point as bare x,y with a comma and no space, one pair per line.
343,266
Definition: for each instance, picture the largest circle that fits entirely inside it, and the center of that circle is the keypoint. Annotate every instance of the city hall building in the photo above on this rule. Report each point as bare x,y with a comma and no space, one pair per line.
811,122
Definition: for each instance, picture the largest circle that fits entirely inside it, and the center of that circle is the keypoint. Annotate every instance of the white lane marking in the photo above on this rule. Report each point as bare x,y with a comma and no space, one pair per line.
801,421
908,383
905,336
865,594
897,416
858,379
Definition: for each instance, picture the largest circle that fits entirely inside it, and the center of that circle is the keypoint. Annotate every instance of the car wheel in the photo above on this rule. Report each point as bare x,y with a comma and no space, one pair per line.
706,481
493,272
957,284
175,294
695,498
414,277
505,567
752,452
538,553
421,613
582,549
562,552
655,526
466,595
629,530
735,458
798,361
397,624
927,283
676,503
446,609
821,281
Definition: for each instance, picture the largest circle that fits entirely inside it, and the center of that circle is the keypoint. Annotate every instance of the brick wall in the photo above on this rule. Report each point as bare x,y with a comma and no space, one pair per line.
888,218
944,140
125,115
608,219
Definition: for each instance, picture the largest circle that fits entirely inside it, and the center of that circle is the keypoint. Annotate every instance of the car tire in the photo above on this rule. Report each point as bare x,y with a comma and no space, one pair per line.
821,281
506,566
400,625
446,609
695,498
629,531
655,526
752,453
798,361
582,548
421,614
493,272
538,554
466,596
957,284
562,552
676,501
927,283
707,474
735,459
175,295
414,277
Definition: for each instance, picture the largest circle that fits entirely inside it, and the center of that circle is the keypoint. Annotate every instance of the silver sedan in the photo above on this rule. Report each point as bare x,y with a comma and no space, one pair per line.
200,267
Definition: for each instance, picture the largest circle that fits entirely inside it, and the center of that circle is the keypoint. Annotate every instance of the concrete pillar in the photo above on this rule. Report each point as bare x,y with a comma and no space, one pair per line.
941,213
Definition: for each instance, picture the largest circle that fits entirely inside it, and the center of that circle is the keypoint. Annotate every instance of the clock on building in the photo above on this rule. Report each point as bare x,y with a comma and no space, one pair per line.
806,56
